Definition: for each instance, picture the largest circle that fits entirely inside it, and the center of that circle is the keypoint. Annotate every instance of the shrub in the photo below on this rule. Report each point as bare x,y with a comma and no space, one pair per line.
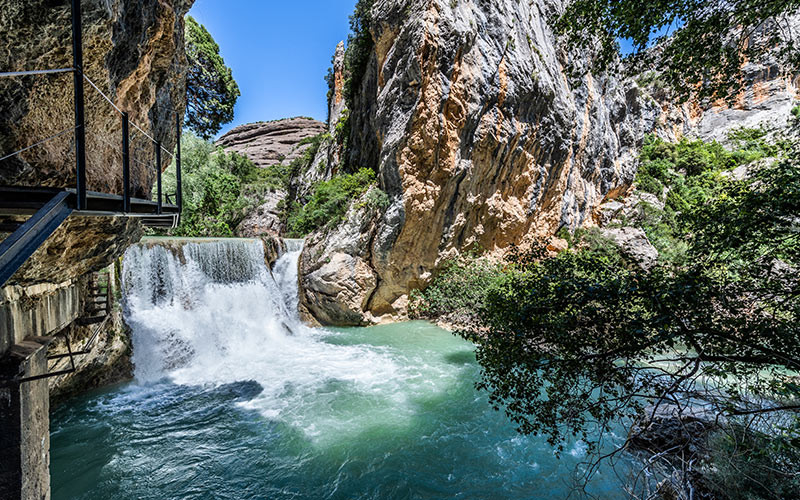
691,173
329,202
459,291
376,199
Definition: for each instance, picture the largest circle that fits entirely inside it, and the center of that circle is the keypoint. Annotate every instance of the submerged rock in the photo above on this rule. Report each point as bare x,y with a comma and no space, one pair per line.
668,428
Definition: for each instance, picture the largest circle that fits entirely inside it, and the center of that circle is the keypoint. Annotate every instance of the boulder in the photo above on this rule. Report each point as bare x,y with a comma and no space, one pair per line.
633,244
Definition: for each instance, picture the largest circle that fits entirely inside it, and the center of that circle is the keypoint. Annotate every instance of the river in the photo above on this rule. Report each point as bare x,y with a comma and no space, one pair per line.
235,398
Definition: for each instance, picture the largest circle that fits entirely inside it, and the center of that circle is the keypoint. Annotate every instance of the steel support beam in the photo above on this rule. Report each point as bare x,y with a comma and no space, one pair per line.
126,164
16,249
80,121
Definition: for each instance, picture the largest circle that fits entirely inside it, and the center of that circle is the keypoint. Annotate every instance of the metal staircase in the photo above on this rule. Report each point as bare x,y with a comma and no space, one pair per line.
15,249
98,299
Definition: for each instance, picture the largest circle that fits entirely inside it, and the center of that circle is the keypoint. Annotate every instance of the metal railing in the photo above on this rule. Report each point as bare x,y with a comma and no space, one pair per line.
79,128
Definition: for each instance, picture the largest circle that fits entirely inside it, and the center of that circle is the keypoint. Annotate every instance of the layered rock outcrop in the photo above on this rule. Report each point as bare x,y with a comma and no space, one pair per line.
481,140
272,143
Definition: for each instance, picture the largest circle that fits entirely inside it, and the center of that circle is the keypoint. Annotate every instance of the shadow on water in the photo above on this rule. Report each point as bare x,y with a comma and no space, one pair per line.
460,358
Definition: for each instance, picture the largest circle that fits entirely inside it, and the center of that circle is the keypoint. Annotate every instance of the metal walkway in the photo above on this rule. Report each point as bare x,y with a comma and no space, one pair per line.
46,208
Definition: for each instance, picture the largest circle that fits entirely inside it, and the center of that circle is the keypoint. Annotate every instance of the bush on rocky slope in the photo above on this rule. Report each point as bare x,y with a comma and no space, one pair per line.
218,188
688,174
329,202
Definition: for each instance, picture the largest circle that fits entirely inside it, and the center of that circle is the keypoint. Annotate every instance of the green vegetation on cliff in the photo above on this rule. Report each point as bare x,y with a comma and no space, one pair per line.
219,188
212,188
688,174
703,44
359,49
329,202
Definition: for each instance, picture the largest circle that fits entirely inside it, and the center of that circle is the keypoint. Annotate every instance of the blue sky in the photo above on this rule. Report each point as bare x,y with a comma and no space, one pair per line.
279,52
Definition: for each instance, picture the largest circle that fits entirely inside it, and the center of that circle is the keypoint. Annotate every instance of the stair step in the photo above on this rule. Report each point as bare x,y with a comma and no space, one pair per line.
91,320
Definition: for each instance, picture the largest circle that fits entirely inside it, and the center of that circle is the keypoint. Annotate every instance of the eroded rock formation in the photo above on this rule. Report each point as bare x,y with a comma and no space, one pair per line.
480,139
266,144
272,143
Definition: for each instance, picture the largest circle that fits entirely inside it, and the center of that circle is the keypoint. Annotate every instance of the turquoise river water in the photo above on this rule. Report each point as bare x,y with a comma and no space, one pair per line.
235,399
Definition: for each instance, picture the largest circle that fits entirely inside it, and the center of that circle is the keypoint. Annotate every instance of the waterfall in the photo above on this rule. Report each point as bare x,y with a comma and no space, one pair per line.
285,274
211,312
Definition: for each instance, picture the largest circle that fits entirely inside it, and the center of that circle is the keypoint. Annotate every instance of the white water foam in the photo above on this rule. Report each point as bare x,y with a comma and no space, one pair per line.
211,313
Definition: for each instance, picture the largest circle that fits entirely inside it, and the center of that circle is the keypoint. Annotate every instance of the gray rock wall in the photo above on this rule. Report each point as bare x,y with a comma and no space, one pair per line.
480,139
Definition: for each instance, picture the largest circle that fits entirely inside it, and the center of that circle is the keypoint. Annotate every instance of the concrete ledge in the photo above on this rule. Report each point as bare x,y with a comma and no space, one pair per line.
25,422
36,310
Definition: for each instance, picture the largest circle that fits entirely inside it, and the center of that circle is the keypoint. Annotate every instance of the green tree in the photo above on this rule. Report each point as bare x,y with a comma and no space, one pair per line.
703,44
359,49
213,185
572,344
211,90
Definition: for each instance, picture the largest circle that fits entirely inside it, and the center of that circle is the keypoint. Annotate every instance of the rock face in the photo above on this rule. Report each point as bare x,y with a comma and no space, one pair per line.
79,246
272,143
770,91
134,52
337,282
264,219
480,139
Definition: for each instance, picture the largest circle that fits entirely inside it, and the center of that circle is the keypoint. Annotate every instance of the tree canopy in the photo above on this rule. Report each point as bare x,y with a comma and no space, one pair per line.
701,44
573,344
211,90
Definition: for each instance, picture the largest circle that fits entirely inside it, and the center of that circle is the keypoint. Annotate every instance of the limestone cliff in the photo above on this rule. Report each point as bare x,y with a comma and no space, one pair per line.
480,139
770,92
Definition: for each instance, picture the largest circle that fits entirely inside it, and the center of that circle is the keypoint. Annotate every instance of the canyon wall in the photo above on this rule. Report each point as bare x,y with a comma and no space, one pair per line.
481,139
